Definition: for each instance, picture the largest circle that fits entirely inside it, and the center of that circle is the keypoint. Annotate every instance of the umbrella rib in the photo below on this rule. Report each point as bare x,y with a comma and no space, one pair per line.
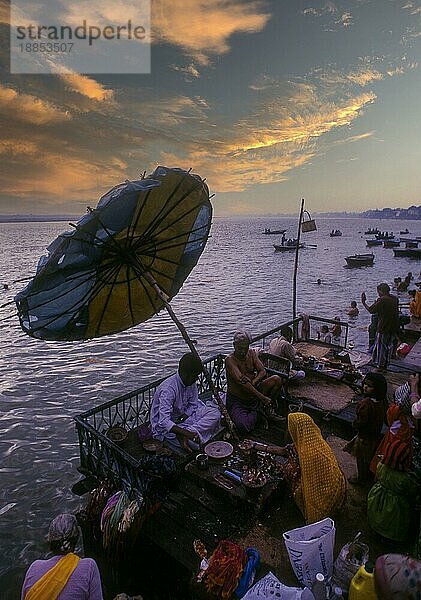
129,293
137,219
158,218
175,246
110,235
78,303
107,300
156,245
102,270
138,269
162,215
193,208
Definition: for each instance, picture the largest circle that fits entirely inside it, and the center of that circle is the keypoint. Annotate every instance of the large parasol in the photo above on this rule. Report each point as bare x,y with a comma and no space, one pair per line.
122,263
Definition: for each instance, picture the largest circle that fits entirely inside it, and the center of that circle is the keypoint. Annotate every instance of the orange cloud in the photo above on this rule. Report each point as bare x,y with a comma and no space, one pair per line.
41,173
86,86
29,108
202,28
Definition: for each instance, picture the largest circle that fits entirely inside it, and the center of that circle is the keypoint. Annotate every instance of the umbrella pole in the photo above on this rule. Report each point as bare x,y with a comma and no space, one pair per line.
192,347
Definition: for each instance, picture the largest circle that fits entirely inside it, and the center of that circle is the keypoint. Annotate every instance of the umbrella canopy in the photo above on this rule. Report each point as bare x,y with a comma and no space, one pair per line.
96,280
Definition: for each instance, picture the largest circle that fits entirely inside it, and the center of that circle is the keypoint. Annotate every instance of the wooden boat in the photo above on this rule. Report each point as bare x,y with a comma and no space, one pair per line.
391,243
335,233
407,252
269,231
374,243
404,232
372,231
360,260
287,246
202,503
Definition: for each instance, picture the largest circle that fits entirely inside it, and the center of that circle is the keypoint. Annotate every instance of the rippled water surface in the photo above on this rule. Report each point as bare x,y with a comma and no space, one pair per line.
240,282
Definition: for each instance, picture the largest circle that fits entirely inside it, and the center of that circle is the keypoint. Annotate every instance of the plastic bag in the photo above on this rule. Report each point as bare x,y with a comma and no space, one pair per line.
270,587
349,560
310,550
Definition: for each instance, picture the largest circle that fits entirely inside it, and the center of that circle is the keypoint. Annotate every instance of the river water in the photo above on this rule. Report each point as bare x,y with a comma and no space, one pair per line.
240,282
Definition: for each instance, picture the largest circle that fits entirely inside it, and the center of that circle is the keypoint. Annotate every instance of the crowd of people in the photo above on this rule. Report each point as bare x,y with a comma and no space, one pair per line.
184,422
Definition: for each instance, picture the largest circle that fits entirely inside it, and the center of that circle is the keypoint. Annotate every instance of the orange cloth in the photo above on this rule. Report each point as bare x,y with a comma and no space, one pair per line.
322,485
52,583
226,566
415,305
396,448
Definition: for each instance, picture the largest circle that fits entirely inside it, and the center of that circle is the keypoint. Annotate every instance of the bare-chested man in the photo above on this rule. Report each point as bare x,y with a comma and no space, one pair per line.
249,387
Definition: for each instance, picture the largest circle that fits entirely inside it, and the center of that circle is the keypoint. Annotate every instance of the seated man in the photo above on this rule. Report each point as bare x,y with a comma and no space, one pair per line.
178,416
324,335
249,389
282,347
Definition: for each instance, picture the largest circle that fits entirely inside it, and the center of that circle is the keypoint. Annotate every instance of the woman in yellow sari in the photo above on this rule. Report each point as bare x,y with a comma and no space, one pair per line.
64,576
317,482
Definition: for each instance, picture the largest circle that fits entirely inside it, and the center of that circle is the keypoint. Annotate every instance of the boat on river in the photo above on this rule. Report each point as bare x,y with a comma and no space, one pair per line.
335,233
360,260
372,231
287,245
405,232
269,231
391,243
374,242
408,252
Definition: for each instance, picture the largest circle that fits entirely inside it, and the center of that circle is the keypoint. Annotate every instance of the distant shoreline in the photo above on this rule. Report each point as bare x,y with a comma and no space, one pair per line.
36,218
326,215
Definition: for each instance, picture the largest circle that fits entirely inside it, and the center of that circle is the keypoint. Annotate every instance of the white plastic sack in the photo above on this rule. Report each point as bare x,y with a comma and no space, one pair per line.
310,550
270,587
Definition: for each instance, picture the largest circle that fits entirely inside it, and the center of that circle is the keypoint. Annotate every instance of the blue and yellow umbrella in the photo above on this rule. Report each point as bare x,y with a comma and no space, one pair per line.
123,261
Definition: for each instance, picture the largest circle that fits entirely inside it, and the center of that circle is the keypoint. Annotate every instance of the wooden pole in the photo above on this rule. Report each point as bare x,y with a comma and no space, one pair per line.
294,282
150,279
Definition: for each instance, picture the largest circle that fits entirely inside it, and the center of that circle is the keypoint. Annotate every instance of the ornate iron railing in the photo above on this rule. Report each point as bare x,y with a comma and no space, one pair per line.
101,458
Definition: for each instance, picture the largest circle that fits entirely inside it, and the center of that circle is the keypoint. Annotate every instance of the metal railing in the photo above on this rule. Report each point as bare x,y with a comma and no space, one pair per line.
101,458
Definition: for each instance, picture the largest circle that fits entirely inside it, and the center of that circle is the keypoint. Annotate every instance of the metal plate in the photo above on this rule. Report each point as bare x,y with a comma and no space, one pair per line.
219,449
152,445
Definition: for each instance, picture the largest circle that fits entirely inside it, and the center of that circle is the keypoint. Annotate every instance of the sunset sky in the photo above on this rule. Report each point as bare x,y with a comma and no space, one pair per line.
270,100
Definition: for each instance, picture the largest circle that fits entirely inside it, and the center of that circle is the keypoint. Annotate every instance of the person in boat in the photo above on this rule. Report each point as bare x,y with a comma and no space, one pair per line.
324,335
64,576
282,346
387,308
336,332
353,310
312,471
178,416
250,392
368,423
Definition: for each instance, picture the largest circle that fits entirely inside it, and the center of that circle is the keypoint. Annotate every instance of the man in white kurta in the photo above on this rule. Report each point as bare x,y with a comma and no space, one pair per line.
178,416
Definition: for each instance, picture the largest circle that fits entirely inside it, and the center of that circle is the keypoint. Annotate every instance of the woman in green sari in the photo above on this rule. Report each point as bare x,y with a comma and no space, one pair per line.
391,502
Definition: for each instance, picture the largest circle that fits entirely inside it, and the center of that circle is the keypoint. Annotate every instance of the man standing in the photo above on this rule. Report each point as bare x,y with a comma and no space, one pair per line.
177,414
248,387
386,307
